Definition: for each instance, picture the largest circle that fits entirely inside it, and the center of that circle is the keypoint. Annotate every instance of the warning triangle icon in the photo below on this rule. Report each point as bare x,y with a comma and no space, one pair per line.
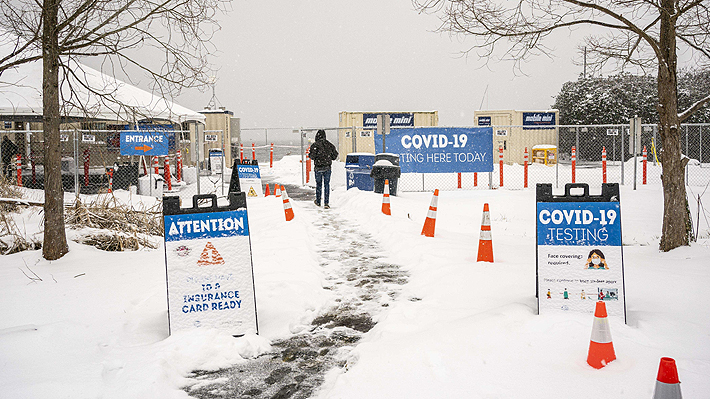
252,193
210,256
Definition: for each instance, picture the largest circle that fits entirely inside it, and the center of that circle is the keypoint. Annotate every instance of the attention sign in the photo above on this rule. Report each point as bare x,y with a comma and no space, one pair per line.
579,252
209,266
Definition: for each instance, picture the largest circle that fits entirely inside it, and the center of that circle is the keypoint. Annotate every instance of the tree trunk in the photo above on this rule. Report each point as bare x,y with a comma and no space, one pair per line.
55,239
675,216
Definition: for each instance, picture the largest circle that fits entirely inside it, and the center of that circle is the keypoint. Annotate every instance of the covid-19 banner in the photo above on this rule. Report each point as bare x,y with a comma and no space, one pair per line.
440,149
209,267
579,252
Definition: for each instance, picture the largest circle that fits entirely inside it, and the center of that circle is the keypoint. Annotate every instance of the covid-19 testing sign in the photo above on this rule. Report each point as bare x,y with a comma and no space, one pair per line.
579,250
209,266
250,180
441,149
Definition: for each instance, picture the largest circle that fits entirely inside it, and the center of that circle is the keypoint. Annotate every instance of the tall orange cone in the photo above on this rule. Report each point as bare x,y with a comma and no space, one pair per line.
601,349
277,190
386,199
288,211
267,192
430,221
485,240
667,384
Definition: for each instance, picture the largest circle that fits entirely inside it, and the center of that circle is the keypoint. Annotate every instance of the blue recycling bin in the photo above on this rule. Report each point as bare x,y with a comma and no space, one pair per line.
357,170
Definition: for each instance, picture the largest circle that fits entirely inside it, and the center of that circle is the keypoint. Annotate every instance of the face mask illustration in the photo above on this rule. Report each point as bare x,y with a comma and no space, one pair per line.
596,261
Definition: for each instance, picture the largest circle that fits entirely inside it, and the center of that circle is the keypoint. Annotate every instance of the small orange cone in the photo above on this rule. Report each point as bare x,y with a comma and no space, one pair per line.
430,221
386,199
485,240
288,211
667,384
277,190
601,349
267,192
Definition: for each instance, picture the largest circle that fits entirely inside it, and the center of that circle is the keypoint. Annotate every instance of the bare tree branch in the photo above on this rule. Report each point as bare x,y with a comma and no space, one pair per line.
693,108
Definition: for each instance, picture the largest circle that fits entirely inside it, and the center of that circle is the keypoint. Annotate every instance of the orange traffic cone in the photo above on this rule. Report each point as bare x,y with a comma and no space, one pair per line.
667,384
386,199
485,240
601,349
288,211
277,190
430,221
267,192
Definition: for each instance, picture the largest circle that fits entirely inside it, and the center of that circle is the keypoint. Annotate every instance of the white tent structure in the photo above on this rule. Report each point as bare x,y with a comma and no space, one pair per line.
87,94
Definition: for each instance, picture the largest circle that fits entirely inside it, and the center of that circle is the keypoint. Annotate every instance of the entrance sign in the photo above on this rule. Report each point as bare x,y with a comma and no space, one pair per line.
250,180
441,149
579,253
154,143
209,266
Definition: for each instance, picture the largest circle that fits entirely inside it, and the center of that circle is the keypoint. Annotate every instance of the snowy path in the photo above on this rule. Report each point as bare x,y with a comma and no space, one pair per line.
363,283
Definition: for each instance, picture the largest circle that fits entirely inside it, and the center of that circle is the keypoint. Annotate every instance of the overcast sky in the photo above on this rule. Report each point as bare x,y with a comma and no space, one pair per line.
298,63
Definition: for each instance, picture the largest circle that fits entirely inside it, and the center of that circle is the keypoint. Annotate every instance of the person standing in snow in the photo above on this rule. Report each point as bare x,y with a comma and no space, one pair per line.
323,153
9,151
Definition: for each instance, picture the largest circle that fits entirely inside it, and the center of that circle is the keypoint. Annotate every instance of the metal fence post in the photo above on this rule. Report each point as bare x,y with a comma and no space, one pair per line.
622,156
636,131
199,132
557,161
76,164
224,159
687,177
655,145
354,139
303,161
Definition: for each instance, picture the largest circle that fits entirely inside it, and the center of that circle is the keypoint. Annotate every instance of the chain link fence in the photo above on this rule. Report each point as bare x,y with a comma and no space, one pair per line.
91,162
550,159
90,156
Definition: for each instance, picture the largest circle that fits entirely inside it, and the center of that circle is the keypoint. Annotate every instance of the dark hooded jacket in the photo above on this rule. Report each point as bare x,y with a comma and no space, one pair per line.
323,152
9,150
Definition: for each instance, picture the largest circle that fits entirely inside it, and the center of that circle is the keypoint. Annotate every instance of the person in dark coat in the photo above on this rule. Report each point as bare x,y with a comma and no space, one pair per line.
323,153
9,151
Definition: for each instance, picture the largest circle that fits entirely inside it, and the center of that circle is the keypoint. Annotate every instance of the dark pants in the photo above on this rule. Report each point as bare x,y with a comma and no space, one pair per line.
323,185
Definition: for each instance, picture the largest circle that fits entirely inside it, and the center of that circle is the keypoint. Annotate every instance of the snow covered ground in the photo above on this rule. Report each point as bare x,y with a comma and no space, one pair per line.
94,323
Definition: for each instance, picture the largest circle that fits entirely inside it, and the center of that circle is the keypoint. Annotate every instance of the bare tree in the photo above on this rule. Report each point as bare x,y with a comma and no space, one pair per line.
640,33
166,39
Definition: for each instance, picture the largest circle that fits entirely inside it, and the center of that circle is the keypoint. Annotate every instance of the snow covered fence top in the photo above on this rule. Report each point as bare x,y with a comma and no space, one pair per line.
209,266
441,149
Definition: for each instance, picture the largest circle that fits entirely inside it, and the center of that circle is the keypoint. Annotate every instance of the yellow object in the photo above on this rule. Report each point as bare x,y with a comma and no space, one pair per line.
544,154
653,147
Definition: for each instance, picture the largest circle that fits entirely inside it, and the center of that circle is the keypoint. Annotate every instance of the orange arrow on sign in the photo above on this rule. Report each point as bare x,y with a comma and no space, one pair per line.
144,148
